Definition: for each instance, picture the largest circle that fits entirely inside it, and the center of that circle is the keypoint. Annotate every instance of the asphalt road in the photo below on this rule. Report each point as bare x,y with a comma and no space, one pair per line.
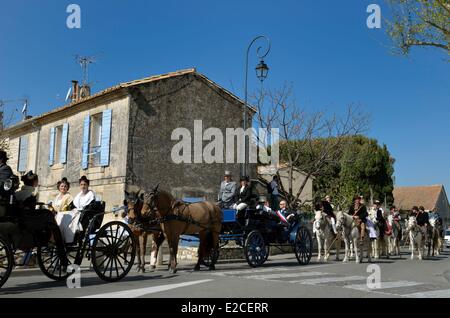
280,277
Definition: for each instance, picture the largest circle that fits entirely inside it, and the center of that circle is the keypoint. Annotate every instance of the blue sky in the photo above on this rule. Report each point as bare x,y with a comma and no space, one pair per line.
323,48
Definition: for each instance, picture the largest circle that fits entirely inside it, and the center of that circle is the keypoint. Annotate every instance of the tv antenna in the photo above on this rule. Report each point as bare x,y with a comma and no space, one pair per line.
84,62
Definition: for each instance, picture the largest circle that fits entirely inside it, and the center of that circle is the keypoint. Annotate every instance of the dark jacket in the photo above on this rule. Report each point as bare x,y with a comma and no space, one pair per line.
422,218
361,212
245,196
328,209
5,172
380,217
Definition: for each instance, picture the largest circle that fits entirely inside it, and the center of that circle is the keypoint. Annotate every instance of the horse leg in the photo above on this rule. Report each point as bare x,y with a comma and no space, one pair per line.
158,239
201,250
143,245
319,247
138,253
326,247
214,249
173,248
347,251
338,243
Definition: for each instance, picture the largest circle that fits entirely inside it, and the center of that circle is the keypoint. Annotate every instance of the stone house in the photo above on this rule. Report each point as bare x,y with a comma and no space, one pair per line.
432,198
121,138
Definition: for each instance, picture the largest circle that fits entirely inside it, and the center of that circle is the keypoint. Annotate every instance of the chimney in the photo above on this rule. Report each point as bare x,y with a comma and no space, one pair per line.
85,91
75,91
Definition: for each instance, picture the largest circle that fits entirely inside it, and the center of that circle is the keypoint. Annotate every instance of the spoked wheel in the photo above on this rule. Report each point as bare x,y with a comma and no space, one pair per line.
303,246
113,251
6,261
255,249
50,264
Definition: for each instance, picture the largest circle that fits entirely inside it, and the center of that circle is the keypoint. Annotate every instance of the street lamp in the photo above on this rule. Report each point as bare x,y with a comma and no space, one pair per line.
262,71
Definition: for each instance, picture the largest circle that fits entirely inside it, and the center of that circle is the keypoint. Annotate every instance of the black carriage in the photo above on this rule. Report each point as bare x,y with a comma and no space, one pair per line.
110,248
257,231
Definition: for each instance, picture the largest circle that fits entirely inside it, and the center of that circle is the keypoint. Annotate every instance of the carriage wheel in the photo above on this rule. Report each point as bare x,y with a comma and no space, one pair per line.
6,261
303,246
255,249
50,264
113,251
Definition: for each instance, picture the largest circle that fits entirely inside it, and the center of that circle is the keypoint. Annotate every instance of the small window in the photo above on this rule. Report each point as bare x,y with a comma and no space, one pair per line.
58,144
95,141
23,154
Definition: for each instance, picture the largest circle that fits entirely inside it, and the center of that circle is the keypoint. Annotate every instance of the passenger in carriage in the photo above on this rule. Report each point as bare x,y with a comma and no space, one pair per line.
244,195
264,206
38,220
284,214
64,199
27,196
69,222
227,192
5,170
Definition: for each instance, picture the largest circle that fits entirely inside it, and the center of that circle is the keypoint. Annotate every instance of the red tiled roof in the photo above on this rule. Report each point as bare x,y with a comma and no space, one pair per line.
407,197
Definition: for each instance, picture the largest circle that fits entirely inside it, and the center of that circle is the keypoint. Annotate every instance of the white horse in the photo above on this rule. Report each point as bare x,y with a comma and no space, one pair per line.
350,233
416,237
394,238
325,236
436,239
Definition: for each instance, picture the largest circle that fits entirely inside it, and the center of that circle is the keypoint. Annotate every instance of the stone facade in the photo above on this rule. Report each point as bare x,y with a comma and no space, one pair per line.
144,115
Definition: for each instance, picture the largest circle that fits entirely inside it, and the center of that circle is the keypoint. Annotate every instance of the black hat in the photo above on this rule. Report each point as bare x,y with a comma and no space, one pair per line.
3,156
29,178
245,178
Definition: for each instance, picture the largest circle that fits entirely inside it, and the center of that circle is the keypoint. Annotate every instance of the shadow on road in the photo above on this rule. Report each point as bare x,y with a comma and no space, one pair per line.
85,282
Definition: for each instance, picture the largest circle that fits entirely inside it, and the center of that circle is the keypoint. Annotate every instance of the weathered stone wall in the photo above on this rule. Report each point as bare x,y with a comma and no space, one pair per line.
156,110
107,182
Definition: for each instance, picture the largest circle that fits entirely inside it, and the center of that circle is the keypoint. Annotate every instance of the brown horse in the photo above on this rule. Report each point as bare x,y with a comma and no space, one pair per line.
141,228
178,218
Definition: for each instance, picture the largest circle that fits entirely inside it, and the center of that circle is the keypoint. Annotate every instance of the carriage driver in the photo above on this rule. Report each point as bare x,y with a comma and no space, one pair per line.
5,170
227,193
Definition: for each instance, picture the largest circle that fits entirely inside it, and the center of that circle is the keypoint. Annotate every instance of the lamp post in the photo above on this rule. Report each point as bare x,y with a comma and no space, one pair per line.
262,71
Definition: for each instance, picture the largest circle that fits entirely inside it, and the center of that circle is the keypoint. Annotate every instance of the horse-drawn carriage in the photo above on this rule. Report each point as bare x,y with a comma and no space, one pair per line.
257,231
109,248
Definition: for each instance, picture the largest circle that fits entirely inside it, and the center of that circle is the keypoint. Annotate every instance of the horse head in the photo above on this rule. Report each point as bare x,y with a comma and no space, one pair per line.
340,220
318,220
134,205
412,223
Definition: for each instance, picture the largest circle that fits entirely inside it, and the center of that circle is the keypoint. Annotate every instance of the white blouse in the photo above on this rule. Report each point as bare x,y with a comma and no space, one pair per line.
83,200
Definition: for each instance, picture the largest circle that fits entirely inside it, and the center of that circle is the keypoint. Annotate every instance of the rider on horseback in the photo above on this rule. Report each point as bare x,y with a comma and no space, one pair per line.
359,213
380,218
423,220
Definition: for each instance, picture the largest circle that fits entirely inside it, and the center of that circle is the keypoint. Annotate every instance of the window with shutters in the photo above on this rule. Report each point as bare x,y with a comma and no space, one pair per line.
58,144
22,163
95,141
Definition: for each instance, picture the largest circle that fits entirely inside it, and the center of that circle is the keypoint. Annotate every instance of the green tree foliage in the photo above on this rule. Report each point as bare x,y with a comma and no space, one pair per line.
420,23
364,167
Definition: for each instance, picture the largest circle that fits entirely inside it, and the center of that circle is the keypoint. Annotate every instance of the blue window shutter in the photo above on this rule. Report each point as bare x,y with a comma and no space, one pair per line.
51,153
85,158
106,137
23,154
64,138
